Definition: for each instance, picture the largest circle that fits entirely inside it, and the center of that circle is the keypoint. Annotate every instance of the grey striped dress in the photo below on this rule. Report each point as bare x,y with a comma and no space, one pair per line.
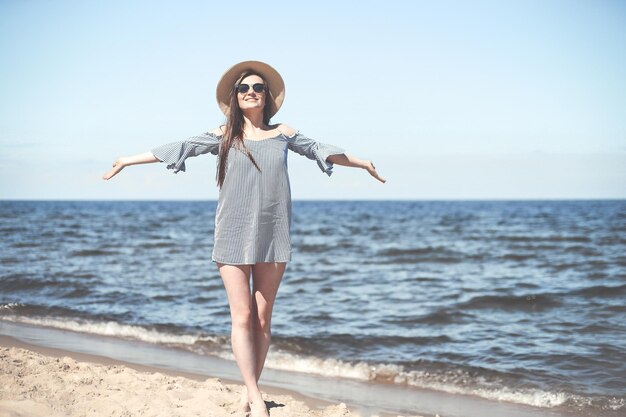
253,216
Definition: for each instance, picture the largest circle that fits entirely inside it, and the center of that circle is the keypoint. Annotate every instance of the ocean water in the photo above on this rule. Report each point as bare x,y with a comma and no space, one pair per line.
520,301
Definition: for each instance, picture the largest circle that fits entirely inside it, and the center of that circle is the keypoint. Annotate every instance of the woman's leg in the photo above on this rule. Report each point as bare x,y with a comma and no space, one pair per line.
236,280
266,278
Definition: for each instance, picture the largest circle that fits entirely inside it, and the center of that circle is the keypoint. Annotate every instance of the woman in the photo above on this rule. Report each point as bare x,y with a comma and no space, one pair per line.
253,216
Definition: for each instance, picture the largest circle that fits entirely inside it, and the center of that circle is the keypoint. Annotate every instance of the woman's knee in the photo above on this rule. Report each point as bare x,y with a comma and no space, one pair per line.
264,324
242,317
264,318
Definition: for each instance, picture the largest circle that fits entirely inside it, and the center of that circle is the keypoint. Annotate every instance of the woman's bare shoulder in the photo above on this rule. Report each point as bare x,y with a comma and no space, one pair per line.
286,130
218,131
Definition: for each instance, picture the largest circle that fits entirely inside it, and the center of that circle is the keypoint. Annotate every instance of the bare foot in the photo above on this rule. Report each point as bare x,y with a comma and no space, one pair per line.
244,405
258,408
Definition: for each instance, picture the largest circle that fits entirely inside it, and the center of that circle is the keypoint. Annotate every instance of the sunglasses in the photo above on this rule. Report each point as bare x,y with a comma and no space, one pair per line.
244,88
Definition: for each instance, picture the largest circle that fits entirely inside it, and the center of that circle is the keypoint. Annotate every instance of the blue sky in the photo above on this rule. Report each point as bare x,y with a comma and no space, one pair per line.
451,100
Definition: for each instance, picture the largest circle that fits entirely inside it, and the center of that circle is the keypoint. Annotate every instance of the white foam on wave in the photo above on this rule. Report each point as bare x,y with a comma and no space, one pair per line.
397,375
10,306
453,383
112,328
313,365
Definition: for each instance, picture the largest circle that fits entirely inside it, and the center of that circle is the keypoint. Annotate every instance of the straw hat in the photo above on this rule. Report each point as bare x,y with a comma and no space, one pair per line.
269,74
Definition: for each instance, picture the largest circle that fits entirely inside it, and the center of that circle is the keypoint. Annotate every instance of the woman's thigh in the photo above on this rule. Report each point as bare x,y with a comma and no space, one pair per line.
266,278
236,280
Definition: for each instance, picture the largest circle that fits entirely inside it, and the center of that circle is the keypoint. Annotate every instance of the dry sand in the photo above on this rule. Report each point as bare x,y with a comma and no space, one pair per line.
36,385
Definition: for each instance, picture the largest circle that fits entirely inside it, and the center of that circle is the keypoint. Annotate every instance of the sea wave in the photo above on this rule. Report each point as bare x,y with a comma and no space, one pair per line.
450,380
112,328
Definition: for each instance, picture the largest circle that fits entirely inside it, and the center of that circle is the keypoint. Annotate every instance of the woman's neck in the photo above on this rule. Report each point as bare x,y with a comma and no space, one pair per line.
253,122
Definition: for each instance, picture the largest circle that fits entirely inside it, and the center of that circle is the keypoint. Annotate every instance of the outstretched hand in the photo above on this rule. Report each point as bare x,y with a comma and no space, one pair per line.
117,167
369,166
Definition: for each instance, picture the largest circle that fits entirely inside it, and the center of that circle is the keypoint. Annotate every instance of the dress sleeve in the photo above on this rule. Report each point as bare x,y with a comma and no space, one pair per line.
314,150
175,153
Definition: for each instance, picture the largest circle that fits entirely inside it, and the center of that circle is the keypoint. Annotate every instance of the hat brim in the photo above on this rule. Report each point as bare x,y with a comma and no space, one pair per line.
269,74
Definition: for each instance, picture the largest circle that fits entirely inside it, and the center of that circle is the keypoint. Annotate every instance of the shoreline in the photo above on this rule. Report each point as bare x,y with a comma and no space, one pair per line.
297,392
17,350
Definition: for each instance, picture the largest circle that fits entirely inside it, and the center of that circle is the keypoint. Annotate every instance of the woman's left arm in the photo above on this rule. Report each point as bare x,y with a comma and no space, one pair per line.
323,153
352,161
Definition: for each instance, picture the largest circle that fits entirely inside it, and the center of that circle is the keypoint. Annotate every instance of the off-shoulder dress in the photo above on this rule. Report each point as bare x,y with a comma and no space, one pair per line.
253,215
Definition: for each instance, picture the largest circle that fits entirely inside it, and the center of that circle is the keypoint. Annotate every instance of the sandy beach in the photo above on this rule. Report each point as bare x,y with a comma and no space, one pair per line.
49,383
46,372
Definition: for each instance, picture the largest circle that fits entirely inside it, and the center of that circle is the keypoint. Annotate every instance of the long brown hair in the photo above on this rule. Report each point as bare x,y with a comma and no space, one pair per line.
233,135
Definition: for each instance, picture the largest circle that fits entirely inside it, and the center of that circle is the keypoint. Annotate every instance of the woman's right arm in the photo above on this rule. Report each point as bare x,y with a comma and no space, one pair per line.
175,153
124,161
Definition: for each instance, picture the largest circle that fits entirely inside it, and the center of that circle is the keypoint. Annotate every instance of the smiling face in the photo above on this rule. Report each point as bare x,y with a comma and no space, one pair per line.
251,99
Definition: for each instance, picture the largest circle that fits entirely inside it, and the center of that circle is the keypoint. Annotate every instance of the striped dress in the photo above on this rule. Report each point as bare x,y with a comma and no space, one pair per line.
253,216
